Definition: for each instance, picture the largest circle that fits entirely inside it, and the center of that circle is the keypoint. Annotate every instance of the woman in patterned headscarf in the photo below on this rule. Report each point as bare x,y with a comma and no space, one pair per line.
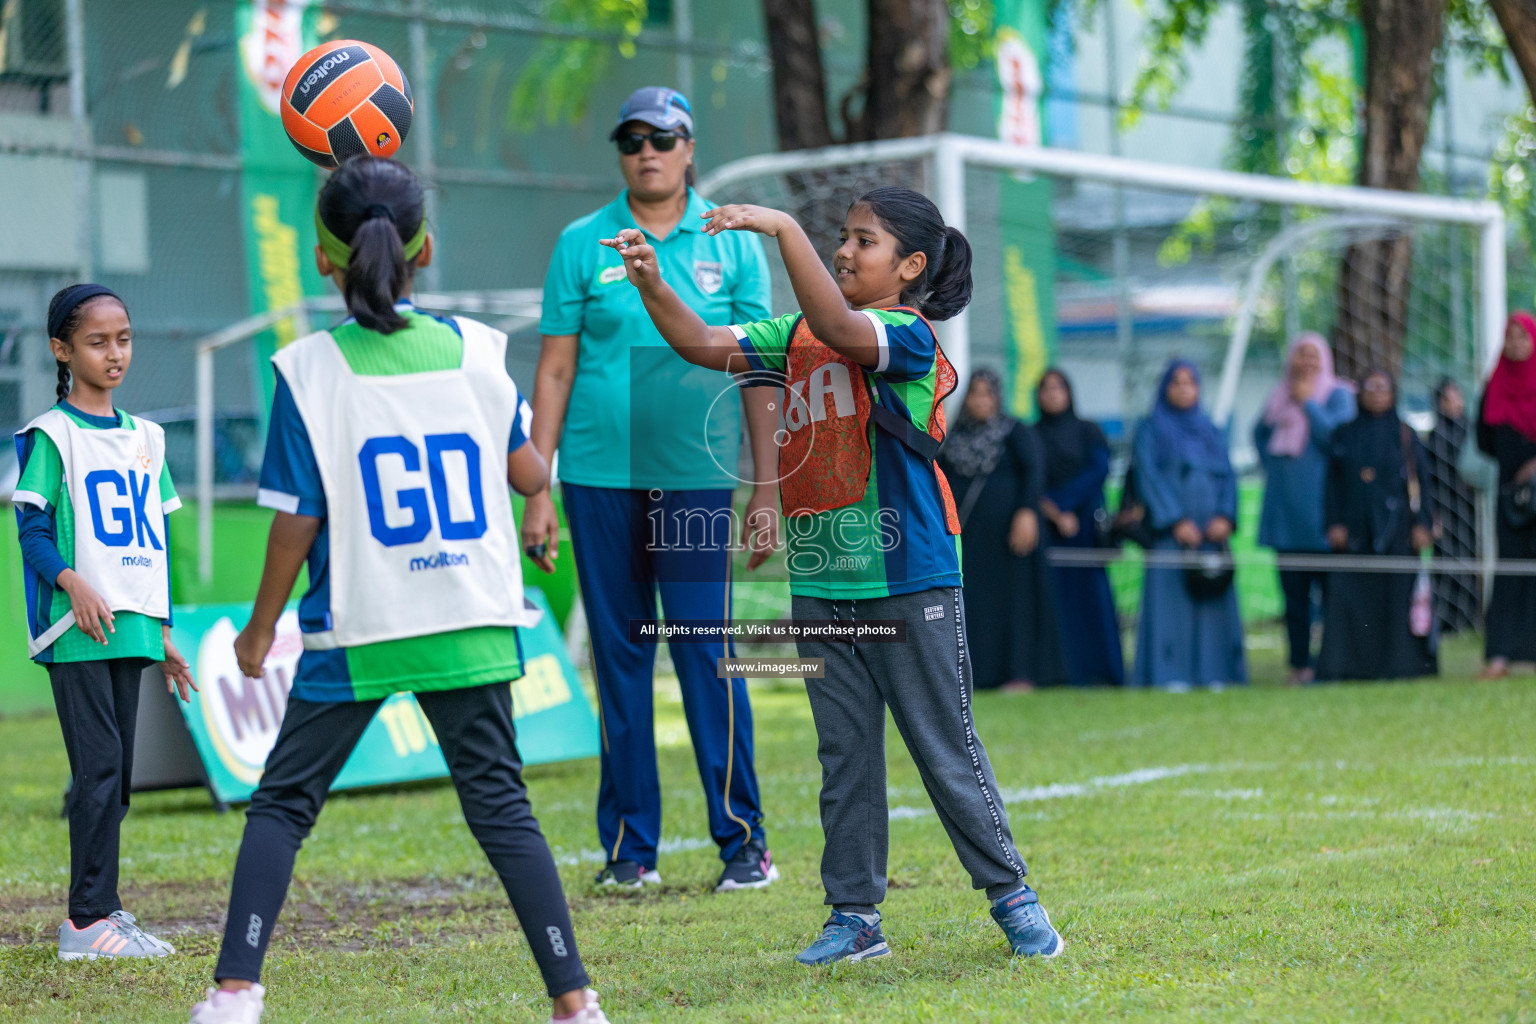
996,470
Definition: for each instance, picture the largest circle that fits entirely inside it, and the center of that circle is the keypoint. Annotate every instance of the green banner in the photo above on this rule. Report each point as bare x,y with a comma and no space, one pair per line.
234,719
1029,241
277,185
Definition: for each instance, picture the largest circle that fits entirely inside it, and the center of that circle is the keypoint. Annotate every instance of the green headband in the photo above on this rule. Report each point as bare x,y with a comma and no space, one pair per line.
340,253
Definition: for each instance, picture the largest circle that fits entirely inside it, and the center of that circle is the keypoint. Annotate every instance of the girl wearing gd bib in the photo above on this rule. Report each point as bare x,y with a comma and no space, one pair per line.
385,465
91,503
871,526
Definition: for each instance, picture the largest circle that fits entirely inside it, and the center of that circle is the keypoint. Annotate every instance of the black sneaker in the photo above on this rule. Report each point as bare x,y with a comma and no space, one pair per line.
626,874
751,868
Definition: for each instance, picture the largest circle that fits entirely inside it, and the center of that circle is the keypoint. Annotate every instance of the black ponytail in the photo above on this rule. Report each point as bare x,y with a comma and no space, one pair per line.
66,312
372,204
943,289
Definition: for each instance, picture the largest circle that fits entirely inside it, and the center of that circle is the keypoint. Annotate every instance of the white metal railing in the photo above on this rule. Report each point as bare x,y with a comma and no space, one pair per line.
519,302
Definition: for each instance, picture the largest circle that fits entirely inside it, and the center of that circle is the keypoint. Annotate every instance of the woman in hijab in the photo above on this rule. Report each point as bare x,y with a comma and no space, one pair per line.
1376,502
1076,465
1188,636
1506,430
1293,438
996,469
1457,600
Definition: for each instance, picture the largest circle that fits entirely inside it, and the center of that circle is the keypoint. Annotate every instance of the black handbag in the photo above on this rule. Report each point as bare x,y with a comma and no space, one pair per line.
1212,574
1517,504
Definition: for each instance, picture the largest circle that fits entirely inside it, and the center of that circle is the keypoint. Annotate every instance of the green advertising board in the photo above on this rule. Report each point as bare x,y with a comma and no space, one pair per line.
1029,242
234,720
277,185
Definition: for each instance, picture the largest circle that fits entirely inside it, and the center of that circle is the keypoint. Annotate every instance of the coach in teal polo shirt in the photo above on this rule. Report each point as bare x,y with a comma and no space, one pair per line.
649,447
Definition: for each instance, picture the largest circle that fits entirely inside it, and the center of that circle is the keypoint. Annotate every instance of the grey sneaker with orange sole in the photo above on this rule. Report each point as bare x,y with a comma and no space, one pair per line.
117,936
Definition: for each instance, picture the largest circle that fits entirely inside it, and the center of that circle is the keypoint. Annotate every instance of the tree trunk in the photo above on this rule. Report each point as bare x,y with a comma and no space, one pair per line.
907,74
799,82
1401,37
904,89
1518,20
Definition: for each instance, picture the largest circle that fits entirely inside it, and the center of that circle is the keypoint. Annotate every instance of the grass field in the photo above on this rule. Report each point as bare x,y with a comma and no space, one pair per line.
1340,853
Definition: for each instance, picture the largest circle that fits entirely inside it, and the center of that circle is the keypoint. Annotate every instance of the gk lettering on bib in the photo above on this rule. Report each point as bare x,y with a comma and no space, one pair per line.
414,468
112,482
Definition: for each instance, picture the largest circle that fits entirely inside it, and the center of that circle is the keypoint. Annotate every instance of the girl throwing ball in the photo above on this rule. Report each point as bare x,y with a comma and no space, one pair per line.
391,443
91,503
871,527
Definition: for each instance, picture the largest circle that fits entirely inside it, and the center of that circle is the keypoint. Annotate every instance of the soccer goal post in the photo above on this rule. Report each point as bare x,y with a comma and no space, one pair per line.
1138,206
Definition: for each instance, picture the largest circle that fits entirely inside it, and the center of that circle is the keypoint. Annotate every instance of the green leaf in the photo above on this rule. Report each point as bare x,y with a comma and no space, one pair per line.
556,85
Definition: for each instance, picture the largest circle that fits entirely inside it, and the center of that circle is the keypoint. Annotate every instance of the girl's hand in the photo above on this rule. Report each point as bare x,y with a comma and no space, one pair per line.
1338,537
639,257
251,648
1067,524
178,674
1421,538
541,525
741,217
760,525
91,612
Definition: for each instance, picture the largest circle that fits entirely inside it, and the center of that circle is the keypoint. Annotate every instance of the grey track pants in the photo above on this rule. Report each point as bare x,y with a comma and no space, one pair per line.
926,682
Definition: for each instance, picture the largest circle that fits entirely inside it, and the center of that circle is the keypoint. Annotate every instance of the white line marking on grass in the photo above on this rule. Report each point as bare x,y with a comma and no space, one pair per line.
1138,777
903,813
571,860
1225,794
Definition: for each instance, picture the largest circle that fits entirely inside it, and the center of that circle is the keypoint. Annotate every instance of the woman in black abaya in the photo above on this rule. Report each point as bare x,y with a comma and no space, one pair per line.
1076,465
996,470
1377,502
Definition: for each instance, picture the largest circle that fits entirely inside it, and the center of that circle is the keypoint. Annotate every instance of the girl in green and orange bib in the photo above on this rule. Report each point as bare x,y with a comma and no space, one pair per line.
872,535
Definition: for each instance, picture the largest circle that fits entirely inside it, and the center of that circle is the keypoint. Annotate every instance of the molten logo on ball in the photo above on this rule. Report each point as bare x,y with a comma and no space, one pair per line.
324,70
382,140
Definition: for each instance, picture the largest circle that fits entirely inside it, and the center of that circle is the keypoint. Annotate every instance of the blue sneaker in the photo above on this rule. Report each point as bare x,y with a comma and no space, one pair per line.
1027,925
845,938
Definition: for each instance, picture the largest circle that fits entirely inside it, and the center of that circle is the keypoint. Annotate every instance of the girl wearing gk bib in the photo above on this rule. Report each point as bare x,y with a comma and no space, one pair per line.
872,529
384,464
91,503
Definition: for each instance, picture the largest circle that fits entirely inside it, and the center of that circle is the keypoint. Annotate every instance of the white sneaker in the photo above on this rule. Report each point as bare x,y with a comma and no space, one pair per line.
589,1014
225,1007
113,937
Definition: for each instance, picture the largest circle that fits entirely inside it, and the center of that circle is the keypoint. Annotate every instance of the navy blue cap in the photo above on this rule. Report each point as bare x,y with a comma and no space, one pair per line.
657,106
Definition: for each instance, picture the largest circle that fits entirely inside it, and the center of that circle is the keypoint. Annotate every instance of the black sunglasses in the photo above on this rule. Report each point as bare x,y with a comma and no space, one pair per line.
662,142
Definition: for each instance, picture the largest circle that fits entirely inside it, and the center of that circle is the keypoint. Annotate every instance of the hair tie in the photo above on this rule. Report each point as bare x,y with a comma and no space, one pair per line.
70,300
379,210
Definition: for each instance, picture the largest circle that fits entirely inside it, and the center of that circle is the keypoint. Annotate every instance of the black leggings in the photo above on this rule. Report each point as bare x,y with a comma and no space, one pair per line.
474,728
98,703
1296,586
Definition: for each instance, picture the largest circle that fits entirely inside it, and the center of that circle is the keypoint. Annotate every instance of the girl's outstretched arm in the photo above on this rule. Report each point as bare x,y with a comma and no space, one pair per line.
845,331
693,339
288,545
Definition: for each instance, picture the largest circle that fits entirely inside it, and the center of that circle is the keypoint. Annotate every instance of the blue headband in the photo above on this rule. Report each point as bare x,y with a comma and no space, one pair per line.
71,300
